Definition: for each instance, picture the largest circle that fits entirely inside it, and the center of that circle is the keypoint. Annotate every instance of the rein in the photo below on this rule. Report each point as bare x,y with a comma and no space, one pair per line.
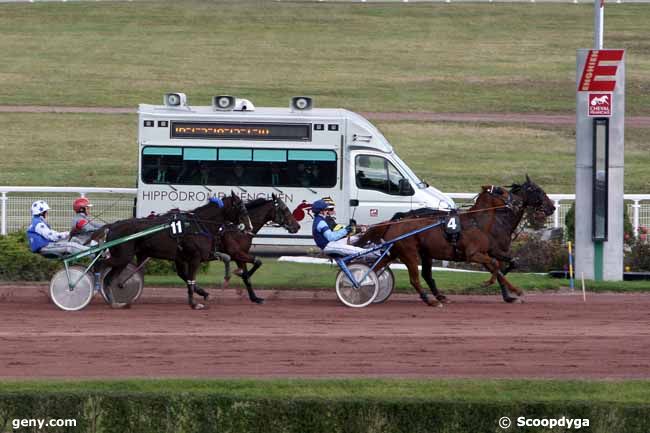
406,220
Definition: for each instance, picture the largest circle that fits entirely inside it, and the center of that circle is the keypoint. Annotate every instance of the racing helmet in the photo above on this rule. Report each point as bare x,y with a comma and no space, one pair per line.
330,201
319,206
80,203
39,206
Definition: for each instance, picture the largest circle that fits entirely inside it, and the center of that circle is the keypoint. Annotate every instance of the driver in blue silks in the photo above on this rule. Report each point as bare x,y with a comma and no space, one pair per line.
332,240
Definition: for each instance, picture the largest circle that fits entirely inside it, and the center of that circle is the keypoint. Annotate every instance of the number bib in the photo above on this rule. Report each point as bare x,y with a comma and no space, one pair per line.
452,225
177,226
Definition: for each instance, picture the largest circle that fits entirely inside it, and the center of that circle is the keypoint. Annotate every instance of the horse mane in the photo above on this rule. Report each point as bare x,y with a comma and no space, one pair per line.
256,203
416,213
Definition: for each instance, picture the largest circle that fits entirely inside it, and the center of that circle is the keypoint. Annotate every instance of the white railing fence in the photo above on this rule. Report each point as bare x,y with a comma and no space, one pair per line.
109,205
112,204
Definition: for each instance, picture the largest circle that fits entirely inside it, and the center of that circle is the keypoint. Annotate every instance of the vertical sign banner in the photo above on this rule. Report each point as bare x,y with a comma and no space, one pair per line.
600,151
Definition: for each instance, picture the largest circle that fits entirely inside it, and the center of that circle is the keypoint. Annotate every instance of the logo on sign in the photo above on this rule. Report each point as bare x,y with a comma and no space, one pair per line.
600,104
599,74
374,212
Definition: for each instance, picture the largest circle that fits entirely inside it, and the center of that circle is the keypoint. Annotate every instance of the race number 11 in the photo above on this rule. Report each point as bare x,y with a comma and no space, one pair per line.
177,227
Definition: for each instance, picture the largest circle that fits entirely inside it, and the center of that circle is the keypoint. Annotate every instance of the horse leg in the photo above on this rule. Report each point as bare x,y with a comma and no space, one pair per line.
503,258
226,263
492,265
182,271
246,275
412,266
427,275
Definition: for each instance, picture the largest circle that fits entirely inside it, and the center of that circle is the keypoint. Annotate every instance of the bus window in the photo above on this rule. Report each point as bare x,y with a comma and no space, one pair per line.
238,166
312,168
377,173
161,164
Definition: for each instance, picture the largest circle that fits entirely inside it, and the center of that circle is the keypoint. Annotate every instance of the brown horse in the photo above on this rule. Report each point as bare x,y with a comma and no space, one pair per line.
486,233
188,247
237,244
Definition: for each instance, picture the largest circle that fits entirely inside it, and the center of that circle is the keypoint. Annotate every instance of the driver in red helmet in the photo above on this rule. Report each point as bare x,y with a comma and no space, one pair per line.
82,225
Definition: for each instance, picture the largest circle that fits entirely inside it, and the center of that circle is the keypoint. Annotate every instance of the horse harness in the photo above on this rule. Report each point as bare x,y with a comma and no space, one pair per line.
187,223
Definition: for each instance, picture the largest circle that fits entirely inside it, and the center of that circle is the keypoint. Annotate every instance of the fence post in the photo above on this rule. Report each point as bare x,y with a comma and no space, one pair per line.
3,225
635,217
556,214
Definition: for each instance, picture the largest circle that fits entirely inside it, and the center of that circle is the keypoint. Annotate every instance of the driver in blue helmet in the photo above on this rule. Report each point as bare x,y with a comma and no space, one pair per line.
332,240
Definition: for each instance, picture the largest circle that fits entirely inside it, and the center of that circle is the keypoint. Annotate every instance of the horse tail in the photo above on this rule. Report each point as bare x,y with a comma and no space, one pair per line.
374,234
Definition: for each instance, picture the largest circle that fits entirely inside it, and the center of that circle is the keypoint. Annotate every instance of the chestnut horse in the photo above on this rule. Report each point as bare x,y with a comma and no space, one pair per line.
192,245
237,244
485,237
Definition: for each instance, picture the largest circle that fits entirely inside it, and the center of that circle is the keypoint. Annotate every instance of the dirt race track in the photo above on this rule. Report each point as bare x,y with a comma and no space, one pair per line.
309,334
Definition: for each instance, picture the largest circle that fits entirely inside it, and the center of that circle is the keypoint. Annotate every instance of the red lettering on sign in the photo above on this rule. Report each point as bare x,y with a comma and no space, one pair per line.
589,81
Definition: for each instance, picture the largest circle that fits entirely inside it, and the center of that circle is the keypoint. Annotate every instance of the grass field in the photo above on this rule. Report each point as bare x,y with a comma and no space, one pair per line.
365,57
435,390
283,275
400,57
81,149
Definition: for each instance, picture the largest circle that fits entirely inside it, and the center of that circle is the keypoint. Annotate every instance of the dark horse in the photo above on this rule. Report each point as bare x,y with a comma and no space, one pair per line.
485,237
195,244
237,244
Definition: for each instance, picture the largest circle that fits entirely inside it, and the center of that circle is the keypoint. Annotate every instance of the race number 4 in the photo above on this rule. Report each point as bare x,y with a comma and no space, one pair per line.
453,225
176,227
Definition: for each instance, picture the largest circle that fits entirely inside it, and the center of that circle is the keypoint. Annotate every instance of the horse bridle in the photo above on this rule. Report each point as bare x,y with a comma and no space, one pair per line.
282,220
495,191
243,214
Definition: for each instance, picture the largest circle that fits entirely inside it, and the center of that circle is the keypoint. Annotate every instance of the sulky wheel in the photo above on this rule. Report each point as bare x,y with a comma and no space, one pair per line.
357,297
386,280
125,288
74,293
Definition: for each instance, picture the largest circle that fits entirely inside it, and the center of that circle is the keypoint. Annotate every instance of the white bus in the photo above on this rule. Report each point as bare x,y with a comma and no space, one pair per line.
189,153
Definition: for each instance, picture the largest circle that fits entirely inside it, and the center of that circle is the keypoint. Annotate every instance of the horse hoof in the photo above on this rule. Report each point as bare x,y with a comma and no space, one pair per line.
198,307
119,305
512,300
443,300
258,300
225,284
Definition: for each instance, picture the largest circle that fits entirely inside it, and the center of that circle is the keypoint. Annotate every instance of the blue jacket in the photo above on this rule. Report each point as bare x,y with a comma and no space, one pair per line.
36,241
322,233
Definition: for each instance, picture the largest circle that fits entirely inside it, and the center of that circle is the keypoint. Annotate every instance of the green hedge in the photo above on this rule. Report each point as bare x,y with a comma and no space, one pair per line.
18,263
178,412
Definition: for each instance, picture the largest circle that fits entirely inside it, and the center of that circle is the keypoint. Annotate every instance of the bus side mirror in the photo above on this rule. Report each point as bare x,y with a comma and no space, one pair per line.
405,187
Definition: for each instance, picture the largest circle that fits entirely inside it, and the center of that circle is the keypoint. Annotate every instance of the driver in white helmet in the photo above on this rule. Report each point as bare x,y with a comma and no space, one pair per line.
43,240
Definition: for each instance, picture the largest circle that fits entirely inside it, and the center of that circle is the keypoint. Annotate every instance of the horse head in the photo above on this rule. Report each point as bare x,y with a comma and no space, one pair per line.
234,210
283,216
492,196
534,198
